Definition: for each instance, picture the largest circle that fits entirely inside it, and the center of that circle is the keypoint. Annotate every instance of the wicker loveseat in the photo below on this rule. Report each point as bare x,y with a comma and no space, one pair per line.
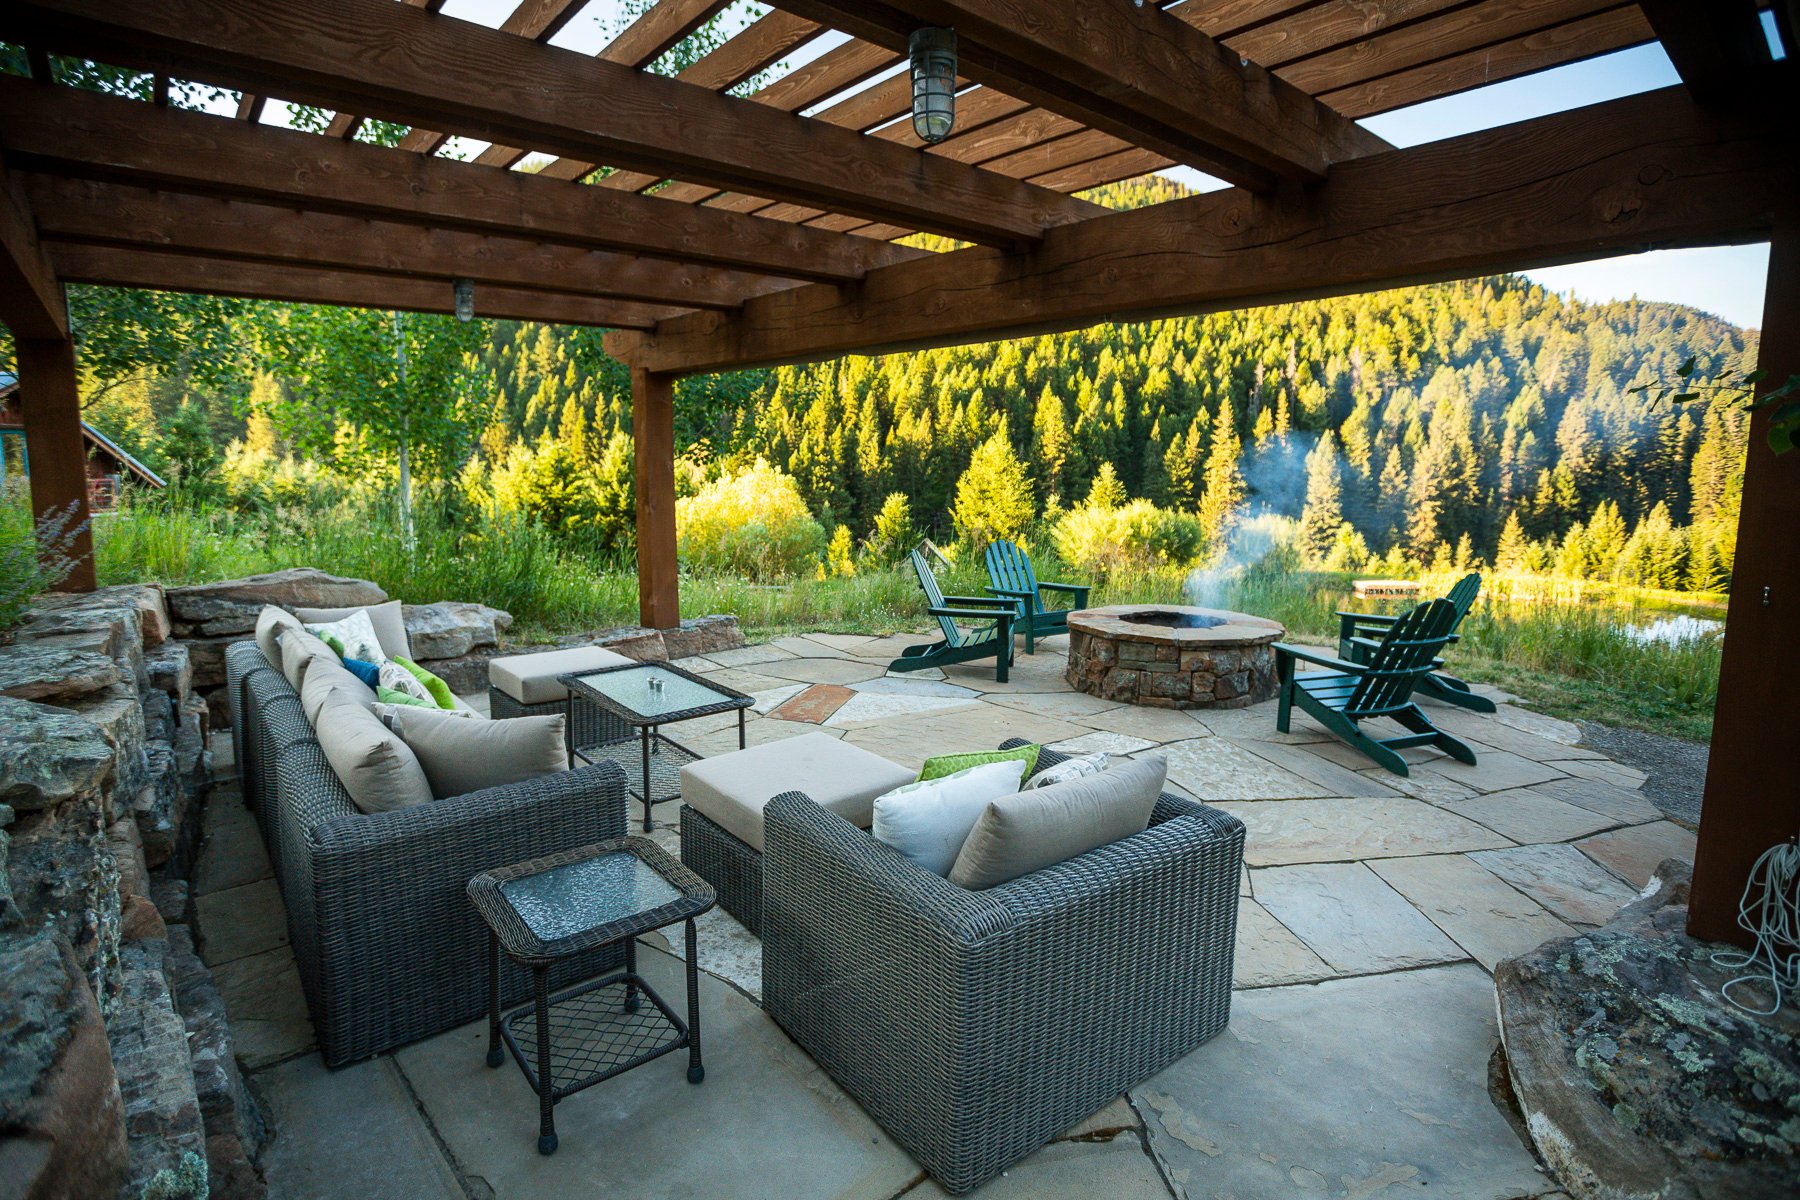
388,946
974,1026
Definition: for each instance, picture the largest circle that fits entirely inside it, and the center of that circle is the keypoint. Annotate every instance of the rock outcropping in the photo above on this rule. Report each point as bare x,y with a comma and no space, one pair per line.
1635,1078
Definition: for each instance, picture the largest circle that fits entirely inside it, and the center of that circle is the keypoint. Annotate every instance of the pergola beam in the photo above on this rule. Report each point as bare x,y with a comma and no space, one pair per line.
398,63
113,266
1714,44
31,297
69,132
1135,72
108,214
1630,174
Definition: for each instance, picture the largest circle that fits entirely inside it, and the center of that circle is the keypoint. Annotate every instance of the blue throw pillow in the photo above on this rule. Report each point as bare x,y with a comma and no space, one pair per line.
368,672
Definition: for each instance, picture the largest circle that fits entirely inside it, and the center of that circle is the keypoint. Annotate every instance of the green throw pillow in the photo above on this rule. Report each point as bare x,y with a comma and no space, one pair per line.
331,639
387,695
950,764
440,691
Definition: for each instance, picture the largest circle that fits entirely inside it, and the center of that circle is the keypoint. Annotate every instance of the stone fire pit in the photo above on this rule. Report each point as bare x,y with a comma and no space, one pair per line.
1172,656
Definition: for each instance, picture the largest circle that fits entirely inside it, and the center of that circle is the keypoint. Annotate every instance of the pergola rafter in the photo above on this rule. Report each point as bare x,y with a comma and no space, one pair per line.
761,234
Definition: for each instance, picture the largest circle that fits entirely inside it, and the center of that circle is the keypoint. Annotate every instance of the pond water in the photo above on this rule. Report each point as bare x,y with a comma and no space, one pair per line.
1679,627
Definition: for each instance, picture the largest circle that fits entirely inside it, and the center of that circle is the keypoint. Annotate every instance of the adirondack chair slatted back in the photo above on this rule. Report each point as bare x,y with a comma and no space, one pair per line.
1009,568
934,597
1406,652
1462,596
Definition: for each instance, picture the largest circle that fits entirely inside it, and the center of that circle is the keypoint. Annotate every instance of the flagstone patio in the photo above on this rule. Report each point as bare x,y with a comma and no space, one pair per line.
1356,1063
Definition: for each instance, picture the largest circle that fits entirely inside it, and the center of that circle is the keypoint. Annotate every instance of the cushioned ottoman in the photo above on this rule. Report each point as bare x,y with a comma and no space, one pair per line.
526,685
722,800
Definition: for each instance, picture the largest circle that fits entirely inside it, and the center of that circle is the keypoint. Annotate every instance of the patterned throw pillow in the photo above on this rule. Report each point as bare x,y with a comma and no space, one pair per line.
949,764
1073,768
352,636
396,678
437,689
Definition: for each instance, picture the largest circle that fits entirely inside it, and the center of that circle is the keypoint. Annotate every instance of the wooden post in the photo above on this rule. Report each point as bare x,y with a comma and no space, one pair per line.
54,445
653,435
1752,789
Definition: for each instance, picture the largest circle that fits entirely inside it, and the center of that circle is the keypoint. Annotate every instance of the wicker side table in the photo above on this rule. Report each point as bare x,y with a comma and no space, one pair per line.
542,911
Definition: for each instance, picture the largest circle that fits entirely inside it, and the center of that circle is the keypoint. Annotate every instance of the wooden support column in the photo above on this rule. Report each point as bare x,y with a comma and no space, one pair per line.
53,442
653,435
1752,792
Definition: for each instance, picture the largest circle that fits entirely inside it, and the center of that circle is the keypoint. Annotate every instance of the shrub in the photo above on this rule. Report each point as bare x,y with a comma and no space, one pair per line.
1135,535
752,523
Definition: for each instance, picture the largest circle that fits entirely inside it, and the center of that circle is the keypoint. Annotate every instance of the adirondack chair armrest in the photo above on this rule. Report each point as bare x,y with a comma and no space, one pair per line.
979,602
973,614
1074,589
1366,618
1323,660
1014,593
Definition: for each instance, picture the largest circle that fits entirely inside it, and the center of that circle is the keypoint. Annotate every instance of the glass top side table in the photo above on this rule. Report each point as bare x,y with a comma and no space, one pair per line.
647,696
544,910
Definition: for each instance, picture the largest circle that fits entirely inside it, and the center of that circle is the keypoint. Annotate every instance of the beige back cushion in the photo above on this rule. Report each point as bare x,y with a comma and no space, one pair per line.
1033,829
298,649
269,624
321,679
374,765
460,756
389,622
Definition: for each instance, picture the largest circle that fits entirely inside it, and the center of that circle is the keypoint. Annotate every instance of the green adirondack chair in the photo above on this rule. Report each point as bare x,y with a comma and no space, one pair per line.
1010,575
991,638
1349,693
1360,633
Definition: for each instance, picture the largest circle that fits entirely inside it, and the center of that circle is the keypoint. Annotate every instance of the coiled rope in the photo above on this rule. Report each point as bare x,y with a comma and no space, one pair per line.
1770,912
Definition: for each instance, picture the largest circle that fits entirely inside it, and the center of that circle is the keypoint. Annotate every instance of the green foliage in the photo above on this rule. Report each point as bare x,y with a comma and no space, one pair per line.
1107,491
753,523
35,556
1734,388
193,457
993,497
894,535
1102,540
840,553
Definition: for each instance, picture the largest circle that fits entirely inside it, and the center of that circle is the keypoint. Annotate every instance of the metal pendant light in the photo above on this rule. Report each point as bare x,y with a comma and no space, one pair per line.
933,83
465,299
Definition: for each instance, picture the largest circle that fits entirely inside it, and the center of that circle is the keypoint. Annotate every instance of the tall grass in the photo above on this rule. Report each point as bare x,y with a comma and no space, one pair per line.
1570,655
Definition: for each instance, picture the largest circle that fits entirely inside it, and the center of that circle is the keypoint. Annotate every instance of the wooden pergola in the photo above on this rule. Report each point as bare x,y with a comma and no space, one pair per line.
712,230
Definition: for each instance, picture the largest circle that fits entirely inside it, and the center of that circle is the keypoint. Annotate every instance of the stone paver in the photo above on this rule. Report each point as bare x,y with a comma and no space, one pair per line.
241,921
1621,805
1349,1088
805,647
1117,1168
1496,770
1347,829
1071,706
1100,740
848,643
1434,789
1258,722
350,1132
1603,769
1479,911
822,670
1350,918
233,852
265,1006
1151,724
1525,815
1562,879
748,656
757,731
1215,769
1268,954
1304,761
909,741
766,1119
814,704
1633,854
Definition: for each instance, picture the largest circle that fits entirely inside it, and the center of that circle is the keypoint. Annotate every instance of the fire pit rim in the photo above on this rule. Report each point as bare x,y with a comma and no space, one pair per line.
1235,628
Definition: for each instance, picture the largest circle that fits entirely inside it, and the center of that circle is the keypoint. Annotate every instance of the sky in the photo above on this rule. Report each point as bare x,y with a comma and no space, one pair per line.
1726,281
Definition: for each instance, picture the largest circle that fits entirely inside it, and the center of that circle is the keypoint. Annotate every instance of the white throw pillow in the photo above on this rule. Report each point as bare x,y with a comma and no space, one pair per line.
1062,772
356,634
929,821
394,677
388,619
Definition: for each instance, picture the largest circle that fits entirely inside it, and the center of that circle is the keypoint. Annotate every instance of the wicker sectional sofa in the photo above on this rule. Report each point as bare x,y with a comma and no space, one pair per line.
388,947
975,1026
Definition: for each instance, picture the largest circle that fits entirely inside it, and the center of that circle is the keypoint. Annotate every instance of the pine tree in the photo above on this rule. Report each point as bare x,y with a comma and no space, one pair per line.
1513,549
1107,491
1324,510
1224,482
993,497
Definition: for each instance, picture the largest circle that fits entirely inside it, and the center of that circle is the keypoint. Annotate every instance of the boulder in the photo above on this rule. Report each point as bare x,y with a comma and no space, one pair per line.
108,620
452,628
226,1104
59,1098
49,755
231,606
54,674
1635,1078
153,614
63,879
164,1130
170,669
703,635
208,658
466,674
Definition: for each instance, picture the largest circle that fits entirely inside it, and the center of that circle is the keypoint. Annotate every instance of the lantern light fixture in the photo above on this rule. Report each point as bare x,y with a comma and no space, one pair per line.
933,54
465,299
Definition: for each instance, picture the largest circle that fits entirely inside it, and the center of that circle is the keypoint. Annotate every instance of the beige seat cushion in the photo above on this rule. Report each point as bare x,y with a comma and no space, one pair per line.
269,624
460,755
323,677
731,789
378,769
1030,830
388,620
531,678
298,649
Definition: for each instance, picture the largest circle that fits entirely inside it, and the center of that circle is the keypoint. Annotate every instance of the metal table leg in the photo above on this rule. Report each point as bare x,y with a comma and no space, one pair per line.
696,1072
645,731
740,729
545,1076
495,1055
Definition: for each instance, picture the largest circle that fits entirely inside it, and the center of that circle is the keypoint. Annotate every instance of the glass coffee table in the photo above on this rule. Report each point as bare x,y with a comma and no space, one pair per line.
645,697
542,911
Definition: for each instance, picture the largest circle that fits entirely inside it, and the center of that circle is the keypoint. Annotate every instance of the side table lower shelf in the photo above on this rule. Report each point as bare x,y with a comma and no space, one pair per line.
652,754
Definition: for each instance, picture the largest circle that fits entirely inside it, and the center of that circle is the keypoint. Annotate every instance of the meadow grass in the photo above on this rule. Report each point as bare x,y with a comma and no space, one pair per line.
1564,646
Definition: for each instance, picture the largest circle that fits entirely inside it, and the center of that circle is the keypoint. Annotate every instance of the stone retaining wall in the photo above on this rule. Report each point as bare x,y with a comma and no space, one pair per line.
117,1076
